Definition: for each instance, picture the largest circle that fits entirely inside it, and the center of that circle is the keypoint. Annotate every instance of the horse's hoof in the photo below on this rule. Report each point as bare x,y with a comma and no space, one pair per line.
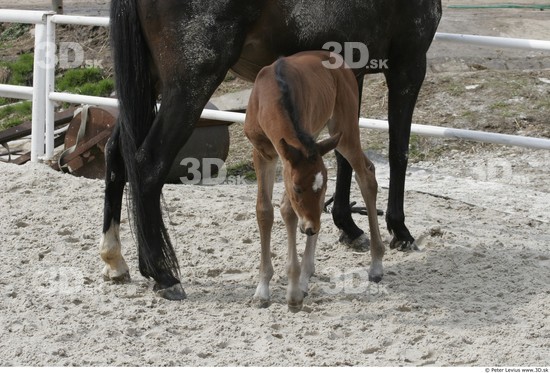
403,245
118,278
360,244
174,292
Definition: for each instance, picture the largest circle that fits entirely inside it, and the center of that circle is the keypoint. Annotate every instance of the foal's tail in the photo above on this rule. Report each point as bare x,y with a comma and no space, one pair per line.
135,87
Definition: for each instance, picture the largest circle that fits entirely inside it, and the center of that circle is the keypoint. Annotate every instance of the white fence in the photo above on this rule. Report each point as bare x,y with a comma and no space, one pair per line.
43,93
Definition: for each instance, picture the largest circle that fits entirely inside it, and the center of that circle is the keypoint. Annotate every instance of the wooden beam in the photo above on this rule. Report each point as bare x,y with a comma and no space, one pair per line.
24,129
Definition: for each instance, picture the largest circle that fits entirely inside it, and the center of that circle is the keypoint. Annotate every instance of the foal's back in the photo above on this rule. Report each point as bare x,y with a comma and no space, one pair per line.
319,91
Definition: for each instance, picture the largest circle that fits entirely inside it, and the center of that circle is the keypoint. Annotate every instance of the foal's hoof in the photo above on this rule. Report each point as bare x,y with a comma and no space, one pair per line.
376,271
174,292
360,244
375,278
295,307
261,303
403,245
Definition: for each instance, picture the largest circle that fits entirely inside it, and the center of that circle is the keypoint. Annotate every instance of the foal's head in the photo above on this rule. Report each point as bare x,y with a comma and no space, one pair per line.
305,178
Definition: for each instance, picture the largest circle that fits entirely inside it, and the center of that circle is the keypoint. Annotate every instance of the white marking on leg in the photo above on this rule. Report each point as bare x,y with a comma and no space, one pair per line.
308,262
110,250
318,182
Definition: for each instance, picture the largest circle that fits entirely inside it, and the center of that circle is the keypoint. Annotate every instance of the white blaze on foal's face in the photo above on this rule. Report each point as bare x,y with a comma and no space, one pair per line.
318,182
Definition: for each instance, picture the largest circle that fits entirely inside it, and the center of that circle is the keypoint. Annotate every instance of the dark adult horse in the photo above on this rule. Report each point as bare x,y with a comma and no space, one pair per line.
180,51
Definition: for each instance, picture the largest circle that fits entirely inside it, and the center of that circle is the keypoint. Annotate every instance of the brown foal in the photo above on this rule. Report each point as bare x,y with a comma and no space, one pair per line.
292,101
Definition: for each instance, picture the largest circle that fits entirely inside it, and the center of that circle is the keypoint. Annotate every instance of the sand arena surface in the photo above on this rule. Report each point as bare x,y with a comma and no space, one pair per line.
477,294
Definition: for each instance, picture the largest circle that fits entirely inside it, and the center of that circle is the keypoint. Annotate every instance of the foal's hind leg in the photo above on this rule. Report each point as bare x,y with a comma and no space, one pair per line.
365,175
115,268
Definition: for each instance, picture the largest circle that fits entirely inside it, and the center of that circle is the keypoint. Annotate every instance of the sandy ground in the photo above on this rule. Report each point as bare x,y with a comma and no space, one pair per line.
477,293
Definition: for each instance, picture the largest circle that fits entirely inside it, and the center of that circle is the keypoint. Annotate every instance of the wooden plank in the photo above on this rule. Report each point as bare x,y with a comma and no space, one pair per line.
24,129
27,156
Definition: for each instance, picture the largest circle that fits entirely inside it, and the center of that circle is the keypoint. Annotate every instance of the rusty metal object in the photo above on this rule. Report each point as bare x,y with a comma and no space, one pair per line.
88,159
210,140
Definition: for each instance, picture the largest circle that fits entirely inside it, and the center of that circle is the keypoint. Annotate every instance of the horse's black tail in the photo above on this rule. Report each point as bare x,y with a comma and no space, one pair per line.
135,88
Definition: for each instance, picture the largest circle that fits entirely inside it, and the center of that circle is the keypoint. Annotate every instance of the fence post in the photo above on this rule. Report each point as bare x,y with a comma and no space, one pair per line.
51,49
39,90
57,6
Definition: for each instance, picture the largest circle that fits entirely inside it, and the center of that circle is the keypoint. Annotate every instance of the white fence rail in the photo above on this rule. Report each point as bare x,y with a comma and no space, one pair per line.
43,93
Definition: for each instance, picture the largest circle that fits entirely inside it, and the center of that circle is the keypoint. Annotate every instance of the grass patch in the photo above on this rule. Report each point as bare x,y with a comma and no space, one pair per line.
425,148
15,114
21,70
20,73
85,81
244,169
13,32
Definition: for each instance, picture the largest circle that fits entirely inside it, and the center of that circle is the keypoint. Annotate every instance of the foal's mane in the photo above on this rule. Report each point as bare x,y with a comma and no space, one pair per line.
289,105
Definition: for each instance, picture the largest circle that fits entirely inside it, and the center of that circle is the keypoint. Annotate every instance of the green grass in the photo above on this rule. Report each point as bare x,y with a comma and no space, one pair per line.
245,169
12,33
20,70
15,114
85,81
20,73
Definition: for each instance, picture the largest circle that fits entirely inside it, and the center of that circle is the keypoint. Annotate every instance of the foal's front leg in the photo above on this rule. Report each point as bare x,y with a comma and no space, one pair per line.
308,263
294,294
265,172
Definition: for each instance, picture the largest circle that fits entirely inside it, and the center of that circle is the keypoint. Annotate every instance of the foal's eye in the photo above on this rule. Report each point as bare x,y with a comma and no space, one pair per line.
297,189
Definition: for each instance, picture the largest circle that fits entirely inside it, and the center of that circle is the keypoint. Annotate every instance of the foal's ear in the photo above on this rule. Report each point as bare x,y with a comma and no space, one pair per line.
329,144
290,153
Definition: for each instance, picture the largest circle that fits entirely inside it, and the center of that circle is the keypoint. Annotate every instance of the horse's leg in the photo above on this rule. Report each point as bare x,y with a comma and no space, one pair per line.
172,127
265,172
294,294
115,268
351,234
404,79
182,52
